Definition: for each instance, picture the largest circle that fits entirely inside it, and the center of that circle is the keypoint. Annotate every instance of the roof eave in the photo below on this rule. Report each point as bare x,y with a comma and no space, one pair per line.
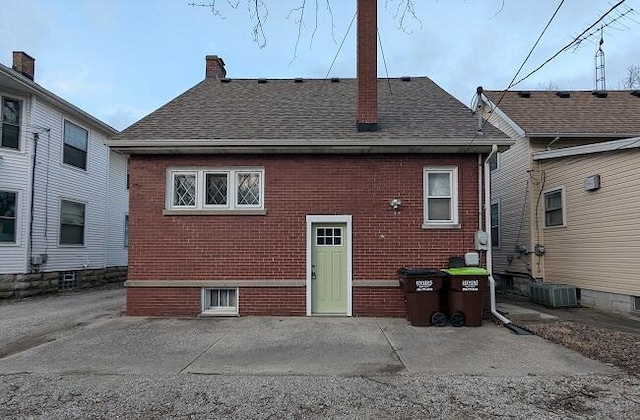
583,134
347,146
69,107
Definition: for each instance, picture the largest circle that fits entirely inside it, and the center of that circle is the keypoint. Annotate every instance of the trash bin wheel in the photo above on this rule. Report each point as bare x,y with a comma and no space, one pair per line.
457,319
438,319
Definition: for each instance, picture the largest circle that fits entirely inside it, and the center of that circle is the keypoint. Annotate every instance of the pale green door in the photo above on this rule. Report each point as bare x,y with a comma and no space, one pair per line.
329,268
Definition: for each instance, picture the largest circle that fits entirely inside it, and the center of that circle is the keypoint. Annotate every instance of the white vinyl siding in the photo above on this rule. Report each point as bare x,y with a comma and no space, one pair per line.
440,196
117,210
511,185
600,245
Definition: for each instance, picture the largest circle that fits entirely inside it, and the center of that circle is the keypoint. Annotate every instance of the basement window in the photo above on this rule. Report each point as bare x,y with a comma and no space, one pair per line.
220,302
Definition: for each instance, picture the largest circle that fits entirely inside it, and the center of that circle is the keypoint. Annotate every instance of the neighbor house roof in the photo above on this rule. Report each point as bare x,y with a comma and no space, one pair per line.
285,110
571,112
15,80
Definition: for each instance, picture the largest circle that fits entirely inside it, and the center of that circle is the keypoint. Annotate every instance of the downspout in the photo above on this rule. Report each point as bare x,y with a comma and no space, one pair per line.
480,174
36,136
487,221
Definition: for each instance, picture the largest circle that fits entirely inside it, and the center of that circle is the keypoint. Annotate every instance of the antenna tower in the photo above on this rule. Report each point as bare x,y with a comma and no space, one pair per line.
601,84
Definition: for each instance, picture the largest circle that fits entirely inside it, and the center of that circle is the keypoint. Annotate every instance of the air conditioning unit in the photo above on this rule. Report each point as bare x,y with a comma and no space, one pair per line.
553,295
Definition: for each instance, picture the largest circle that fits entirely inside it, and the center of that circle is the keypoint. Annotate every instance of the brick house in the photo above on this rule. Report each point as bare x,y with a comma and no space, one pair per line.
299,197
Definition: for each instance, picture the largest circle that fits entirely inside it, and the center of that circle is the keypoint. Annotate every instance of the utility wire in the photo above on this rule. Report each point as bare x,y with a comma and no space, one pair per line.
519,70
346,34
384,61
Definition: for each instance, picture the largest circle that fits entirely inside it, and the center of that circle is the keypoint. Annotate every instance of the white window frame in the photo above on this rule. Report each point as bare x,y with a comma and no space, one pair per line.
84,231
125,232
563,196
21,133
497,168
17,219
221,310
68,165
232,186
496,201
453,179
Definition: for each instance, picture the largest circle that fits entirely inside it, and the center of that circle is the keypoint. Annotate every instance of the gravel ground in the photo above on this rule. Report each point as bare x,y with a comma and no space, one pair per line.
617,348
394,396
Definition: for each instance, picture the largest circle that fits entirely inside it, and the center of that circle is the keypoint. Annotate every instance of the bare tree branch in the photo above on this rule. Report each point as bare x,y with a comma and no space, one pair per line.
632,79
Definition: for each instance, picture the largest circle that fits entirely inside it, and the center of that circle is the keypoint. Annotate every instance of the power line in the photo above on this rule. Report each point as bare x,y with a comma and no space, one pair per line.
346,34
384,61
519,70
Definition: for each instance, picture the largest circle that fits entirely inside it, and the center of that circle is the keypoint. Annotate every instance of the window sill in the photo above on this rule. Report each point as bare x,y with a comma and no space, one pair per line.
440,226
555,227
262,212
219,312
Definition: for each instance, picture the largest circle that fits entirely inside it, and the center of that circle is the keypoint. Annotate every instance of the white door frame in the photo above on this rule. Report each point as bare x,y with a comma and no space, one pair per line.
311,219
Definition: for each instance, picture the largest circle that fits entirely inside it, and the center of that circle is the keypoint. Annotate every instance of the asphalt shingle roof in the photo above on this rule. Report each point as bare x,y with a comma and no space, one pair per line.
581,112
313,109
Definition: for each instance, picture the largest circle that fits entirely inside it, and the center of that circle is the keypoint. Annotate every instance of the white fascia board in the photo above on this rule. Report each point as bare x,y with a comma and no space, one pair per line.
34,88
608,146
580,135
498,112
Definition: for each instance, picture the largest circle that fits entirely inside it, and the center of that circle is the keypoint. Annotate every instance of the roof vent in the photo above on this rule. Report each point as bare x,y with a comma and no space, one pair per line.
600,94
225,80
335,79
636,93
262,81
298,80
563,94
406,78
524,94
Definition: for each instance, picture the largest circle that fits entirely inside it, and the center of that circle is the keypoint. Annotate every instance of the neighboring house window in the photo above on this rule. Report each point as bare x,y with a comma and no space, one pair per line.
494,162
126,230
72,220
554,208
8,219
211,189
11,113
221,301
76,141
440,196
495,224
128,172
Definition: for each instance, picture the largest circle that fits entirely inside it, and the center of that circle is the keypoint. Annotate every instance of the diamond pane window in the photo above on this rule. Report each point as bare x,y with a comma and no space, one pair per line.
248,189
217,189
184,190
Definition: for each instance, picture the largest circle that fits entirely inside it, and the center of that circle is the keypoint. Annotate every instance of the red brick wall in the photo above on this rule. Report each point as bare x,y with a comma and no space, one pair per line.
379,302
279,301
274,246
153,301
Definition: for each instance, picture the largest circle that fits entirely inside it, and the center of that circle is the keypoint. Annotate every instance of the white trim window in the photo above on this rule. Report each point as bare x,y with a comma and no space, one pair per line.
216,189
554,207
8,217
76,144
495,223
126,231
494,162
220,301
440,196
11,118
72,222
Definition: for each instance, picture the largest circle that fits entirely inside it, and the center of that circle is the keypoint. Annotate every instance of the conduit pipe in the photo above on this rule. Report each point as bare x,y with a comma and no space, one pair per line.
487,223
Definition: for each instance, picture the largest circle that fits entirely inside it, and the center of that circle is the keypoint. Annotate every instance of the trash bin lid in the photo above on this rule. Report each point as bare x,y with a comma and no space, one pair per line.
410,271
467,271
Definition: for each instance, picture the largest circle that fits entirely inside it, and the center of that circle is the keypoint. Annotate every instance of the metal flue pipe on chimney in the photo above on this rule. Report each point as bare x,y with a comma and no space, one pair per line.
367,111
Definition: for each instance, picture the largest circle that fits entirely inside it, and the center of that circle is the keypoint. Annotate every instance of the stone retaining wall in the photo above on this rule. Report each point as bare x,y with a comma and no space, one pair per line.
24,285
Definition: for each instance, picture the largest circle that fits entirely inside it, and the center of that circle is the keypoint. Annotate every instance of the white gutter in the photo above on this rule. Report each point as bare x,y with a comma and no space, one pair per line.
608,146
487,221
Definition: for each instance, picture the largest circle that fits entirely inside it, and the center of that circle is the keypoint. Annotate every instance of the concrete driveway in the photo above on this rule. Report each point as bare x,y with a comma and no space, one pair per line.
296,346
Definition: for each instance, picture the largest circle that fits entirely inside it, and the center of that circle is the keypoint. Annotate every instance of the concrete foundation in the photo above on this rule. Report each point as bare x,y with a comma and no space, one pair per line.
608,301
25,285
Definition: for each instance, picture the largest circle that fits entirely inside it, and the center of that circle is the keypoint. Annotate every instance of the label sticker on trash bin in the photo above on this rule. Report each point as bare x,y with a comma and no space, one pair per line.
470,285
424,285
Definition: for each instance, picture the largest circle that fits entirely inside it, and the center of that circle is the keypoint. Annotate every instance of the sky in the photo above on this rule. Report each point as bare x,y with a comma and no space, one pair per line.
121,59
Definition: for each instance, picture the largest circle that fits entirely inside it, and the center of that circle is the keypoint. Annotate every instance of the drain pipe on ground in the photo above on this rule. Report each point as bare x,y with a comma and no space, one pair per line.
487,223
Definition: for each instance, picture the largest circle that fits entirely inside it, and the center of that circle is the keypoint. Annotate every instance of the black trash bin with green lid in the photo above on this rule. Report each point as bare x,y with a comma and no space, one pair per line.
466,291
422,287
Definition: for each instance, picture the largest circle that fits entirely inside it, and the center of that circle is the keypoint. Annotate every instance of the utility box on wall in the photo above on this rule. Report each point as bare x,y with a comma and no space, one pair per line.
481,240
592,183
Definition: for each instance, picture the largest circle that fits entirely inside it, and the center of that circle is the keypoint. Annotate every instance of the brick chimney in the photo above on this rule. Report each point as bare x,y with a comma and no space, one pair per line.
367,117
24,64
215,67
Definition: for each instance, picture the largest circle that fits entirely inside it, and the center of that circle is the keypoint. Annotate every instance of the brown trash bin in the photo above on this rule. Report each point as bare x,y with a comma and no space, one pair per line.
467,290
422,287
